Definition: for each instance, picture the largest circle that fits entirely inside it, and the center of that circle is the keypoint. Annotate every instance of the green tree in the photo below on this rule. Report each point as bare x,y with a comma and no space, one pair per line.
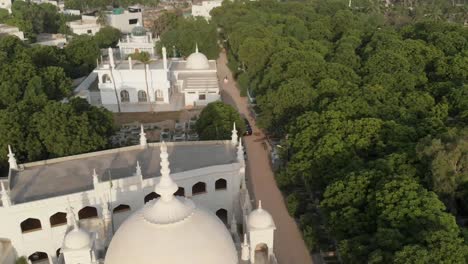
107,37
144,58
216,122
82,52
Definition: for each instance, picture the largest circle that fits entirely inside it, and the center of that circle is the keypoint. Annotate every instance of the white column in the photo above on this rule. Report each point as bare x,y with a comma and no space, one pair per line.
234,136
164,53
6,201
143,141
111,57
245,249
11,159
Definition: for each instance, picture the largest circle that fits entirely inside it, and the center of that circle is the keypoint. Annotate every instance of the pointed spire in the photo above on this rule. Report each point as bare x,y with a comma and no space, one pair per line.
234,136
233,224
6,201
260,205
240,151
245,249
196,47
11,159
164,54
138,169
71,221
143,141
95,178
166,186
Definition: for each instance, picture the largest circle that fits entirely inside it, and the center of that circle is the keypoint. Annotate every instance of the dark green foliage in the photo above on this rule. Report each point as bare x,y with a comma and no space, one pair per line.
107,37
216,122
373,117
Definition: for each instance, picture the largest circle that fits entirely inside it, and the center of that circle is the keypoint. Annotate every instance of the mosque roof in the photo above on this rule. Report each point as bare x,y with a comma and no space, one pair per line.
61,176
172,230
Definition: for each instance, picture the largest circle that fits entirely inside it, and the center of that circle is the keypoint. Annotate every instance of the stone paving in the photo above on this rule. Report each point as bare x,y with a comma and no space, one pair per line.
289,245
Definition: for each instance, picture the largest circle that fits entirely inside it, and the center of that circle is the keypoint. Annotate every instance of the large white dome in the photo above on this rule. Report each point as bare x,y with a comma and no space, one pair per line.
197,61
77,239
171,230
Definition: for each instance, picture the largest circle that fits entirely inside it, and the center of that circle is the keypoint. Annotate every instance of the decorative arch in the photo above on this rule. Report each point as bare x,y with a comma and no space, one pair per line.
223,215
261,253
121,208
39,257
124,96
58,219
221,184
58,252
199,188
151,196
180,192
142,96
106,78
87,213
31,225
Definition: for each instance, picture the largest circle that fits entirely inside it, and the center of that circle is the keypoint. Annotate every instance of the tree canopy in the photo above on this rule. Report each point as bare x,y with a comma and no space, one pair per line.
216,122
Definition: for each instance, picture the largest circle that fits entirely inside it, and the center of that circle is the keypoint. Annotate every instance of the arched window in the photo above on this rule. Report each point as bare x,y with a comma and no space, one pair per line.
199,188
121,208
221,184
222,214
58,219
124,96
39,257
142,96
58,252
159,95
106,79
180,192
151,196
87,212
31,225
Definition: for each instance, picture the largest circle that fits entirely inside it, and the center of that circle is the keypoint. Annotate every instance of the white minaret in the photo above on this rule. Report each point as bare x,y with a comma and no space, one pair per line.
166,186
95,179
233,225
245,249
11,159
261,228
164,54
6,201
143,141
240,152
234,136
111,57
138,169
130,64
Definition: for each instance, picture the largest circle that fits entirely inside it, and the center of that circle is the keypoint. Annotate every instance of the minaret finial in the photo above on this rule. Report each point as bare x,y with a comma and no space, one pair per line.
143,141
196,47
245,249
260,204
95,178
234,136
166,186
138,168
11,159
240,151
71,219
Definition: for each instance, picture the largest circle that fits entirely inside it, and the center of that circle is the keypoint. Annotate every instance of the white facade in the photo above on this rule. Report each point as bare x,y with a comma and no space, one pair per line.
204,9
194,79
6,4
127,20
10,30
40,224
86,25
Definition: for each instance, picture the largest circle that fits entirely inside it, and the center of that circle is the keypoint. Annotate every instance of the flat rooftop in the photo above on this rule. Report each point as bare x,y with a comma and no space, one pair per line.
50,178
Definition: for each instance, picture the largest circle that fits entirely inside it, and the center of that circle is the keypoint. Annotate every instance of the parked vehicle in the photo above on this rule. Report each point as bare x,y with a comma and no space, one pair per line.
248,128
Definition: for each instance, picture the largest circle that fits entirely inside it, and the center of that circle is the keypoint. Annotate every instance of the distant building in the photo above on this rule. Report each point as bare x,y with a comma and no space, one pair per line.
125,20
6,4
11,30
86,25
204,8
139,40
47,39
172,84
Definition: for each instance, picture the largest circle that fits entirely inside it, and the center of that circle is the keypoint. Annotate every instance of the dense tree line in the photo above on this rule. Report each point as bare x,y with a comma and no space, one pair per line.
216,122
34,119
86,5
373,119
184,33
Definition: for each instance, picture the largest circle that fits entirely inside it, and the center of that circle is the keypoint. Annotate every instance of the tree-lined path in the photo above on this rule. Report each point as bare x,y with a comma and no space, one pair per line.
289,245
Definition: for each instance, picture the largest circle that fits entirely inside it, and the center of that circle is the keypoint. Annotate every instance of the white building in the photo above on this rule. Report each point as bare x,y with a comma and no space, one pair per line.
139,40
125,20
11,30
204,8
6,4
47,39
86,25
151,203
169,84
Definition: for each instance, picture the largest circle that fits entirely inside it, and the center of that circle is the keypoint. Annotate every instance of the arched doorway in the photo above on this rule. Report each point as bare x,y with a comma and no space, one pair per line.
199,188
30,225
58,252
87,213
151,196
222,214
221,184
58,219
261,253
39,258
106,79
180,192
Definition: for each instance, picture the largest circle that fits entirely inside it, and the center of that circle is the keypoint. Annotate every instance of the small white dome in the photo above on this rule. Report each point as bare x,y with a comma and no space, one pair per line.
197,61
77,239
260,218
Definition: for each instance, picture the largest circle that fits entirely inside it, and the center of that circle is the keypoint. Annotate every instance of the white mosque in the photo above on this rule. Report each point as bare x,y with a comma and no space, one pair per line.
171,203
159,85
